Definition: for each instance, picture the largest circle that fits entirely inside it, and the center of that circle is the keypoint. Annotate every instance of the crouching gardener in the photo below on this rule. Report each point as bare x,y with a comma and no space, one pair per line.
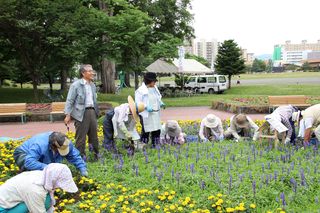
171,133
45,148
121,123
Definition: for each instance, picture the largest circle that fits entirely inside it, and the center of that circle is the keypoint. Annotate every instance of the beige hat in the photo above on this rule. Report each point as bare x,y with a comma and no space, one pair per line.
211,121
241,121
135,109
296,116
172,128
64,148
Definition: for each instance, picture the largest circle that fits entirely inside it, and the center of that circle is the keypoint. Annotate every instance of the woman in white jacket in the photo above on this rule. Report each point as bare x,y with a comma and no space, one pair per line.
149,94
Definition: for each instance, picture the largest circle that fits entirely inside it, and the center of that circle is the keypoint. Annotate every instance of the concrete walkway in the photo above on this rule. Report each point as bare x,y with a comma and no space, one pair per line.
177,113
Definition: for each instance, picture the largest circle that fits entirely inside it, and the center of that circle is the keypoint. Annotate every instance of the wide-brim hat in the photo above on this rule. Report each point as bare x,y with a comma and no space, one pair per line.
241,121
150,76
135,108
296,115
172,128
211,121
64,148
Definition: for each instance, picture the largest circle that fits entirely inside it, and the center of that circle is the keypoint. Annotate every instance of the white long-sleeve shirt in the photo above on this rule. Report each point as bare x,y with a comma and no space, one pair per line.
217,131
234,129
24,188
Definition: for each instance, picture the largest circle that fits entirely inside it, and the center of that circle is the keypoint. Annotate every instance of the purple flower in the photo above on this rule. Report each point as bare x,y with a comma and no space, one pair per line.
202,185
283,199
192,168
172,173
303,179
254,188
137,171
294,184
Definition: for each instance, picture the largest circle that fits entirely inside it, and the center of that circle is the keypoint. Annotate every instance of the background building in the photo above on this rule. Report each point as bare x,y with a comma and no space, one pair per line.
206,49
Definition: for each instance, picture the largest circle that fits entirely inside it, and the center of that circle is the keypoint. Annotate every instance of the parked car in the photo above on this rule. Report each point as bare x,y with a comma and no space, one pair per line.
207,83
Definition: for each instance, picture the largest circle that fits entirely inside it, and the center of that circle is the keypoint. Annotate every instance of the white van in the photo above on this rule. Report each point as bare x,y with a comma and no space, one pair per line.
207,83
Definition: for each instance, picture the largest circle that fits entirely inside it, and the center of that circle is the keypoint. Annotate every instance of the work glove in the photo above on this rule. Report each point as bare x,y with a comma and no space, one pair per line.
204,140
162,105
287,141
149,109
84,173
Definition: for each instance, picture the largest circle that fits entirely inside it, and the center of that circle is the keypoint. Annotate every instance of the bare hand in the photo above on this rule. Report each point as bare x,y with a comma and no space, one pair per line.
67,119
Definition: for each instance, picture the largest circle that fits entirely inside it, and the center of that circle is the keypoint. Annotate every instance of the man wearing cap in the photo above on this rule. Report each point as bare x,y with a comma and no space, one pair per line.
241,125
311,118
121,123
81,105
171,133
211,128
150,96
45,148
282,120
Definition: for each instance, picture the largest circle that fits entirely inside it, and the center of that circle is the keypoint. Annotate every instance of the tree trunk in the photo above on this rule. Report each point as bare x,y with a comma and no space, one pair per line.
21,85
63,77
229,79
108,76
136,80
50,84
1,82
127,79
35,88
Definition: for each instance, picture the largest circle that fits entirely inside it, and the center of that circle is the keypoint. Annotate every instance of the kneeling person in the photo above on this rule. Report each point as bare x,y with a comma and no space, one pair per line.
45,148
120,123
241,126
211,128
171,133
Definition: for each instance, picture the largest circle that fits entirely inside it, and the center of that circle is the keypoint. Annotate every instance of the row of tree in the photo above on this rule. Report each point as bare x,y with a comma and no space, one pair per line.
45,39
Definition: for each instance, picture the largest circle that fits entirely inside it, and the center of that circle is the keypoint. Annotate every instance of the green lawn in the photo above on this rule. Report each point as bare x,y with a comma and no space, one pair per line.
16,95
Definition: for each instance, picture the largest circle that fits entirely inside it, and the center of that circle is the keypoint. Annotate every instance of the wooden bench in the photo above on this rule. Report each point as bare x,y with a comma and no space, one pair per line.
16,109
56,108
294,100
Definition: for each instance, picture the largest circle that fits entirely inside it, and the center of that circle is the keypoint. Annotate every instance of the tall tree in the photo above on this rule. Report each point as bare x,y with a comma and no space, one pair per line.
229,60
258,65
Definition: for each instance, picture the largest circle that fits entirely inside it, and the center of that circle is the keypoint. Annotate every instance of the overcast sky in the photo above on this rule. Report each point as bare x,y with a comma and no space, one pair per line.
257,25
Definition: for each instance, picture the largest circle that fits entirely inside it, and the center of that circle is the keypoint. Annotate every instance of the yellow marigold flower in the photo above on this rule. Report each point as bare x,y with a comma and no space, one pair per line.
219,195
230,209
97,211
157,207
103,206
170,197
219,208
166,193
112,210
282,211
173,192
142,204
253,206
180,209
172,207
191,205
242,208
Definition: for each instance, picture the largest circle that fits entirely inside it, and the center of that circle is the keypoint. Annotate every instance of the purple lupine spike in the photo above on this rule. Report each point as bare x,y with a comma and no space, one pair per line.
267,180
230,183
294,184
212,156
262,167
172,173
315,170
202,185
146,158
248,160
241,177
224,156
283,199
261,152
137,171
269,166
254,188
192,168
176,155
211,173
292,165
250,175
303,179
159,156
316,200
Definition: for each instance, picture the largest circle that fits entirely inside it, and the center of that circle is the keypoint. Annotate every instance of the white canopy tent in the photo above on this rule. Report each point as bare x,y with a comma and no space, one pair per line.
190,66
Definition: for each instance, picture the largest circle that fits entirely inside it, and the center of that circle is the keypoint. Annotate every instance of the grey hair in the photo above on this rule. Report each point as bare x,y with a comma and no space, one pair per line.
83,68
57,136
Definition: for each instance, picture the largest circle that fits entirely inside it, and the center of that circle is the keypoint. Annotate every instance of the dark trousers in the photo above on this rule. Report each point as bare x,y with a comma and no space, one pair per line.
155,135
19,157
293,136
89,127
108,131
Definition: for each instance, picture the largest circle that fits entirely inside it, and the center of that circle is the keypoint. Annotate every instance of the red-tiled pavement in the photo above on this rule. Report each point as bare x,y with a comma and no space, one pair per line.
177,113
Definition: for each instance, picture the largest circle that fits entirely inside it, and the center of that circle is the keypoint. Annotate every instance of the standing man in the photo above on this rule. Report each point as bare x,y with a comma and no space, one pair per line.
82,106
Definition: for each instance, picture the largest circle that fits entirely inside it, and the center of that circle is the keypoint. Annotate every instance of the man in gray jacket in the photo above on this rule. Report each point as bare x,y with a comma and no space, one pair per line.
81,105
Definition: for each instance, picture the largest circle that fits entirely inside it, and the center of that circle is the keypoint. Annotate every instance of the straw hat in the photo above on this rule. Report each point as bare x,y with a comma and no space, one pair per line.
296,116
241,121
172,128
211,121
64,148
135,109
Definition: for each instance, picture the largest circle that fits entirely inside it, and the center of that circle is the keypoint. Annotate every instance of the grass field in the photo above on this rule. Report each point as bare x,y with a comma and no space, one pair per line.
16,95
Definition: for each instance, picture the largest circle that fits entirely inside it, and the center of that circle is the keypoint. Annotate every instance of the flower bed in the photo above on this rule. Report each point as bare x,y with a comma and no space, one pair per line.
194,177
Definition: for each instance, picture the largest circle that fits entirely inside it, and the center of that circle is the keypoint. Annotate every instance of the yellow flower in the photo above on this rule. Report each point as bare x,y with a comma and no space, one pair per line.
282,211
230,209
172,207
157,207
253,206
170,197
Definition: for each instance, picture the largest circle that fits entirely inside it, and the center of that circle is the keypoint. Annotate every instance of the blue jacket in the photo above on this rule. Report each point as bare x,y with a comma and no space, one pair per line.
75,104
40,154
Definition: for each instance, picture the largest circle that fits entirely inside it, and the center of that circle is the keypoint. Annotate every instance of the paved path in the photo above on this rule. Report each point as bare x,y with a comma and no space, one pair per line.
178,113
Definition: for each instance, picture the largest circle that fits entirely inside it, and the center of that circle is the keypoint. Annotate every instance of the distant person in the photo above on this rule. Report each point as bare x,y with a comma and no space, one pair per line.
238,80
282,120
241,126
33,191
120,123
149,94
211,129
311,119
171,133
45,148
81,105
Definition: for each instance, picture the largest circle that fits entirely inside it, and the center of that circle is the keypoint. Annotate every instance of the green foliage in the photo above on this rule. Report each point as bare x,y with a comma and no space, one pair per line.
199,59
258,65
306,66
180,80
229,61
